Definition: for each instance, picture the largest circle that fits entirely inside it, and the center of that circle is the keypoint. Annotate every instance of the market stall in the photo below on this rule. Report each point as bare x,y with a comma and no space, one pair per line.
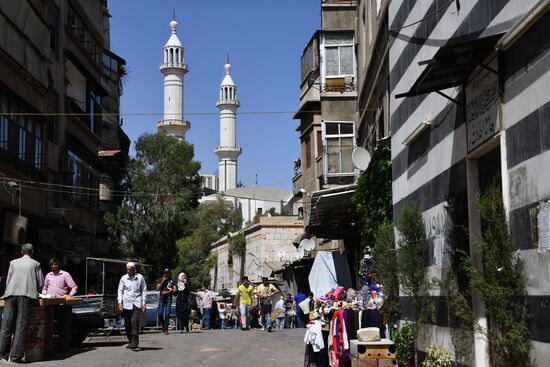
43,336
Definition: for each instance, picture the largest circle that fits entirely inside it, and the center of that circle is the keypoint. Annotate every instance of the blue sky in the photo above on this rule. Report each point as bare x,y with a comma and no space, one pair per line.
264,39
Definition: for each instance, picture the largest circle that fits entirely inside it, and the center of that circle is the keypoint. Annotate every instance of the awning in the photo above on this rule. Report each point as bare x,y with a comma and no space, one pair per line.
452,65
332,211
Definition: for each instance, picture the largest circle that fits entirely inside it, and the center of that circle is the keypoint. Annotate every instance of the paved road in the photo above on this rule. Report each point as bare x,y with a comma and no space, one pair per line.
209,348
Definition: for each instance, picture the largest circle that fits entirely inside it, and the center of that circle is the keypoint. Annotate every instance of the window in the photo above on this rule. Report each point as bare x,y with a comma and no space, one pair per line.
53,24
94,108
84,36
20,133
339,62
38,148
4,123
339,54
81,176
339,142
319,143
22,146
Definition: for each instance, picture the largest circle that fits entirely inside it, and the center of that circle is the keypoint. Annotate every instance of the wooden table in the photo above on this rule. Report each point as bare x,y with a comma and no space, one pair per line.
40,335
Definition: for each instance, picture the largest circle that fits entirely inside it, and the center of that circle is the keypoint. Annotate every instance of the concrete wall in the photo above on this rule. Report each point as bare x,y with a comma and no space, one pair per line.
264,240
439,165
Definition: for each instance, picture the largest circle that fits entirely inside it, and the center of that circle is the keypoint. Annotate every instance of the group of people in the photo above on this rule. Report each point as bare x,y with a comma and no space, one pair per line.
253,308
24,282
131,301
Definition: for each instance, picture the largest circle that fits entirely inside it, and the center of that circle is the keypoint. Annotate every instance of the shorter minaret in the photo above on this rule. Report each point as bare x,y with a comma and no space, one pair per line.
228,152
174,69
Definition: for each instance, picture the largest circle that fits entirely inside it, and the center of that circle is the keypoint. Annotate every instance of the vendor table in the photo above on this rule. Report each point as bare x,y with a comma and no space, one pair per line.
41,338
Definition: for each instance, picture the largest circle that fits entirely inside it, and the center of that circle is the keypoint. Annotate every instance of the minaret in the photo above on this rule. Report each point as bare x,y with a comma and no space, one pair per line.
228,150
174,69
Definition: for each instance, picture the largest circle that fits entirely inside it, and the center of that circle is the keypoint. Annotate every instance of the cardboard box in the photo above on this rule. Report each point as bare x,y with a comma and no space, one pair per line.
383,349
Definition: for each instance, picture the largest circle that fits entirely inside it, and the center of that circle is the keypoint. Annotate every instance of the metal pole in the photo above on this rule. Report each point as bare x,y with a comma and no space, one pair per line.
103,282
86,286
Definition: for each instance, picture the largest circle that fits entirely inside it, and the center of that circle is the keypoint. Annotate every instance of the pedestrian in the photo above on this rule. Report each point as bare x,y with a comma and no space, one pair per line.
207,297
245,297
264,292
280,312
234,316
167,288
288,303
23,282
222,314
58,282
131,302
300,317
183,306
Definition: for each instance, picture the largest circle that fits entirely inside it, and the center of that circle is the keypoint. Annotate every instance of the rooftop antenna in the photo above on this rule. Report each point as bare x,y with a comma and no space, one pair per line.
173,14
227,58
256,179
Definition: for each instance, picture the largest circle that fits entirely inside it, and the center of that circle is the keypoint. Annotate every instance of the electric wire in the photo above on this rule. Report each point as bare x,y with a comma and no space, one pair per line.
444,7
89,191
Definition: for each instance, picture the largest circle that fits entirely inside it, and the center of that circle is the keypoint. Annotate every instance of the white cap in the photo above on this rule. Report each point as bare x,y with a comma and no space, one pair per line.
131,264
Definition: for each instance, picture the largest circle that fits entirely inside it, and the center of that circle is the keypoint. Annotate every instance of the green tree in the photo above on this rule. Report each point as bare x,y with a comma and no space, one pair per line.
210,222
372,196
412,266
500,282
384,267
163,186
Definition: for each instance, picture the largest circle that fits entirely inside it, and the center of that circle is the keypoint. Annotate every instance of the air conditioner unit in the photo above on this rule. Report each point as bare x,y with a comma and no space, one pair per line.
15,229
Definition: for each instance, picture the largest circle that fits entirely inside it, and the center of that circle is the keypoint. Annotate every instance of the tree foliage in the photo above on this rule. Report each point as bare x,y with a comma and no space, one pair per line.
163,186
501,284
413,264
385,258
372,196
211,221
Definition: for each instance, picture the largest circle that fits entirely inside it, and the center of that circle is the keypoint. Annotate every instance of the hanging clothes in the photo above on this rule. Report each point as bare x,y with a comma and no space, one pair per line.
314,335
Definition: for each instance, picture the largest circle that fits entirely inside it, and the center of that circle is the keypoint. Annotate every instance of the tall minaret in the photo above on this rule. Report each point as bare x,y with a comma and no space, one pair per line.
174,69
228,151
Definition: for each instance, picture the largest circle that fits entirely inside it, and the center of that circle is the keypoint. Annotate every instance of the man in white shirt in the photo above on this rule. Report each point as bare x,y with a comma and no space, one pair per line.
131,302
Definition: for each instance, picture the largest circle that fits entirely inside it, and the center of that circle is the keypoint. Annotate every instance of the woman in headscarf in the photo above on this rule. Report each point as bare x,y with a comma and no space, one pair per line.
182,303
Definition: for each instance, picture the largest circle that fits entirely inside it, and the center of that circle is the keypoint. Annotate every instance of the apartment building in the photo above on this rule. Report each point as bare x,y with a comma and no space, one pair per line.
62,147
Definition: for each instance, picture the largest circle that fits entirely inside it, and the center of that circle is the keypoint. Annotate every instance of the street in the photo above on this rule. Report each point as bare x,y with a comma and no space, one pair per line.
198,348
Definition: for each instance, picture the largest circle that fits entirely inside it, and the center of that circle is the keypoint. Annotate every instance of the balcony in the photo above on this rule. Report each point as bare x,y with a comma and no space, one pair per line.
92,122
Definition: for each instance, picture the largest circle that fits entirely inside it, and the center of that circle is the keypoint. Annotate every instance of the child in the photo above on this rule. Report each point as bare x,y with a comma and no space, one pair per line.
234,316
221,311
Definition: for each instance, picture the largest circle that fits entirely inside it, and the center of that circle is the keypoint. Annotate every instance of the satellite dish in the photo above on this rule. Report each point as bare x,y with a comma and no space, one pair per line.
360,158
281,254
307,244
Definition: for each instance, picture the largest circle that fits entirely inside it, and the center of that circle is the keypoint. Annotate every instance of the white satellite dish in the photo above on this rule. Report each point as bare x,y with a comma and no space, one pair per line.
360,158
307,244
281,254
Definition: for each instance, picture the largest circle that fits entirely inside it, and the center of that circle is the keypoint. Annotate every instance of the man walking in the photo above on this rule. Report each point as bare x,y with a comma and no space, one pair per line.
166,287
131,302
23,282
207,297
246,301
264,293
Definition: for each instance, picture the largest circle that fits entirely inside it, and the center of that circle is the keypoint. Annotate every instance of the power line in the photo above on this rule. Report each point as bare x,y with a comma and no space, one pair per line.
89,191
103,114
444,7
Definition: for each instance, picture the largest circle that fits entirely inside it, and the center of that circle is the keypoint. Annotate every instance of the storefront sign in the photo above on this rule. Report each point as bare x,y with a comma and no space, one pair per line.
482,108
